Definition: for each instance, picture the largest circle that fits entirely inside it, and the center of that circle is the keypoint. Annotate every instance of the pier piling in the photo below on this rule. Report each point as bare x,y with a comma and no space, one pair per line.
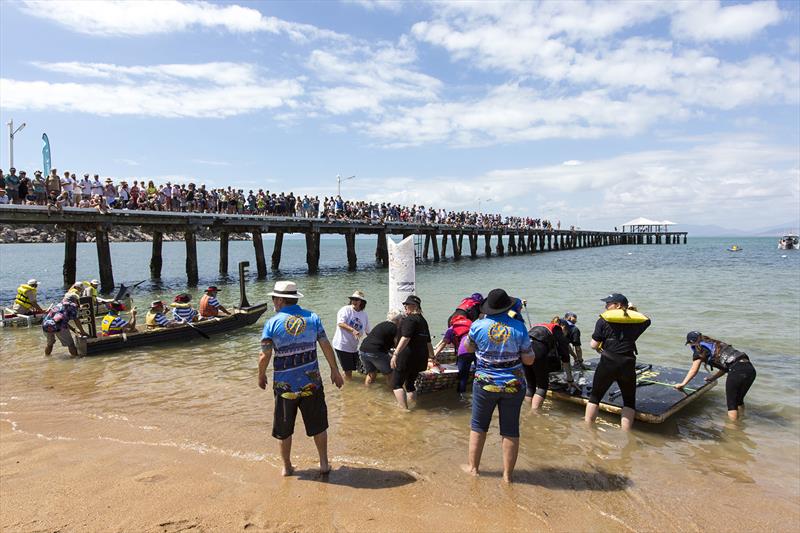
276,251
224,236
191,257
312,251
350,241
104,261
70,257
487,248
261,262
435,244
500,249
156,259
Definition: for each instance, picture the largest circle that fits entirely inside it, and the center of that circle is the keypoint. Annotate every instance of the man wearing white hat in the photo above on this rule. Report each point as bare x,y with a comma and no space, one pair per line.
25,302
352,323
292,336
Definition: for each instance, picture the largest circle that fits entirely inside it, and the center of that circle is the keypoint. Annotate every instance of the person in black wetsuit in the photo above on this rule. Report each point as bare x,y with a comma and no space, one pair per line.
614,336
726,360
551,349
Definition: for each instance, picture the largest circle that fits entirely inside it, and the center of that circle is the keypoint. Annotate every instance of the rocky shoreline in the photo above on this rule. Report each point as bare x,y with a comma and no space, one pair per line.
49,234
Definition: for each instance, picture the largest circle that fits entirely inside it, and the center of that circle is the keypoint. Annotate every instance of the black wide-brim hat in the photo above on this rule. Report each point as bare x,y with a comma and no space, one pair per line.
498,301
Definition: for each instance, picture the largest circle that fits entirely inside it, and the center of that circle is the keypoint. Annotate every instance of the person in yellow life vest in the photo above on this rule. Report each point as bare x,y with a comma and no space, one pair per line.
209,305
25,302
114,324
155,317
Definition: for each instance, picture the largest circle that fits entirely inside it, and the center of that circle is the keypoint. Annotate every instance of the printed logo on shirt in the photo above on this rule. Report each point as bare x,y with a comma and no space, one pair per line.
295,325
499,333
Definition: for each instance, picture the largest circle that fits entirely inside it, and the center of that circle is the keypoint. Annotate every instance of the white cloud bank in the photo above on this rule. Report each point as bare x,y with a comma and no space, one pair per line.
174,90
146,17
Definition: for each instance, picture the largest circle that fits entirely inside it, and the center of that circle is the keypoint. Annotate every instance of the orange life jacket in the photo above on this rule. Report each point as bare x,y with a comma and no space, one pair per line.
205,308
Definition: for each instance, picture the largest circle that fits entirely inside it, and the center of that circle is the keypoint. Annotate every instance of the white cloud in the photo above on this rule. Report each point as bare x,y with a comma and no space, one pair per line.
365,78
125,18
175,90
395,6
511,113
738,178
707,20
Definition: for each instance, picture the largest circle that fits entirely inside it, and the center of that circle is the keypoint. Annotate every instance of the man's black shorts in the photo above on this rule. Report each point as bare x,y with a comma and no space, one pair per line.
348,360
313,409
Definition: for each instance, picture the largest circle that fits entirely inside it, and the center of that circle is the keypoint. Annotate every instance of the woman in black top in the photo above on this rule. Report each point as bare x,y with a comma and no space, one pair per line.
413,351
375,348
614,336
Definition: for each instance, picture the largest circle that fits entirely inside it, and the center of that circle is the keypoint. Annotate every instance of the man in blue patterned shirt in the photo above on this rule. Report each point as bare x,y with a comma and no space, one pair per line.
501,345
292,336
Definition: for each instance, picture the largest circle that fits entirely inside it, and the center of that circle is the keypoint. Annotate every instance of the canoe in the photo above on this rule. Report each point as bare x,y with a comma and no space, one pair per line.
10,319
240,317
656,398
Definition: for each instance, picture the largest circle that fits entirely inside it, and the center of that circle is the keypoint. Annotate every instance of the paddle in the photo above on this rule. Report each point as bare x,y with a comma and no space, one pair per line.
196,329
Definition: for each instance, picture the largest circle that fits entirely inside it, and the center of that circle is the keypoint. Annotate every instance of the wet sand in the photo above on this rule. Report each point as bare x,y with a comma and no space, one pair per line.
66,471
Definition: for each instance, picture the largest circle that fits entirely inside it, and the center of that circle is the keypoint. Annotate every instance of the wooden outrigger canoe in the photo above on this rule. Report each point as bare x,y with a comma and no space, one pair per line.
241,316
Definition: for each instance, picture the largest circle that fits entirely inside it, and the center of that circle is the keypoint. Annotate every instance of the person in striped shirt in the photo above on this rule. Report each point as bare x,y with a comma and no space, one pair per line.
210,306
156,318
182,310
114,324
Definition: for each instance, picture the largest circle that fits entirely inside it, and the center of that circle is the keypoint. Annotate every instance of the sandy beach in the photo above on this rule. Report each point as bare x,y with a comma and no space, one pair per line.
62,470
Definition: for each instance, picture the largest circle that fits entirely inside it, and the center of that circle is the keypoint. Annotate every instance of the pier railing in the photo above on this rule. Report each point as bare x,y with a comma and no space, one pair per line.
497,240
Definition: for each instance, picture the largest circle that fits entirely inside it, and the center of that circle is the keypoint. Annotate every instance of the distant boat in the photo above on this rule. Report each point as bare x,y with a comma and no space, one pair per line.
735,248
788,242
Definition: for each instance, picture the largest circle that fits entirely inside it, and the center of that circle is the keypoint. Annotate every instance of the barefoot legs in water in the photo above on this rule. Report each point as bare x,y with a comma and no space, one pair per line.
510,452
400,396
476,442
626,422
321,441
286,456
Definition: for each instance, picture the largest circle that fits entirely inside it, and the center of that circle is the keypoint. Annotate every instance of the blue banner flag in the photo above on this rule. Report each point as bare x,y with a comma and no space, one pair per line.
45,154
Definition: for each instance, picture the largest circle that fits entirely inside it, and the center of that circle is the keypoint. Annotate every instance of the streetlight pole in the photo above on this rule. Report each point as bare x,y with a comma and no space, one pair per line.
339,180
11,133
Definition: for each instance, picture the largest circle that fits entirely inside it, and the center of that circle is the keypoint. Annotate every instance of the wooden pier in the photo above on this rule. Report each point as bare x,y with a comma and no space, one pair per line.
509,241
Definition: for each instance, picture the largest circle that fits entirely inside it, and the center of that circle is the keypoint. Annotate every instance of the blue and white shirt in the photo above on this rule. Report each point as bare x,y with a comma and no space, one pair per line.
182,314
294,333
500,340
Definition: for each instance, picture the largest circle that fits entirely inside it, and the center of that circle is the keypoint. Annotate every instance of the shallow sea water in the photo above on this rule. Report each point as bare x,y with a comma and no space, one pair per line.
202,396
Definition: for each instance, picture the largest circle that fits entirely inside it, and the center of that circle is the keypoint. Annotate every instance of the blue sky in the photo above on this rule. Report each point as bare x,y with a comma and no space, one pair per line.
588,112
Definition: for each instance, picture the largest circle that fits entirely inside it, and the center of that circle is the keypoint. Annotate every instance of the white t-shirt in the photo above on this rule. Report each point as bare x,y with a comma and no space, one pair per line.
358,320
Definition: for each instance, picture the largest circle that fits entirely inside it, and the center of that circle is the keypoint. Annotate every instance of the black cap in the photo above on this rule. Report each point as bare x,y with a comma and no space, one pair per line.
498,301
413,300
615,298
692,337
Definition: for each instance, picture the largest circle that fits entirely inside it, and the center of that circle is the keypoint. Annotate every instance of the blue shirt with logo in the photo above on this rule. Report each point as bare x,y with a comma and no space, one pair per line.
500,340
294,333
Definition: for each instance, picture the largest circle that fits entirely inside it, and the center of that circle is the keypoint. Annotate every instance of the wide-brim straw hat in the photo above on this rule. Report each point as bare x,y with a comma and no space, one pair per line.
285,289
359,295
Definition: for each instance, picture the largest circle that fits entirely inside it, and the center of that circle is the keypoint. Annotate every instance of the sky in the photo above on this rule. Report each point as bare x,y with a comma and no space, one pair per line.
592,113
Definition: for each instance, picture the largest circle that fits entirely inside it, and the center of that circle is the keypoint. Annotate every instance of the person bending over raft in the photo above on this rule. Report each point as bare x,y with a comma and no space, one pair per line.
501,346
726,359
615,334
465,314
376,347
210,306
551,349
412,353
464,358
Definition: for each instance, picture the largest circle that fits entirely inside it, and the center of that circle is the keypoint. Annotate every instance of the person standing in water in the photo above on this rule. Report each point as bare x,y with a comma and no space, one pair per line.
614,337
352,323
413,351
501,346
726,360
292,336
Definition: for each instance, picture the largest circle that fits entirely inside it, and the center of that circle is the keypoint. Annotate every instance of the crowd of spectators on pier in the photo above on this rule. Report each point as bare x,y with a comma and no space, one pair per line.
91,192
